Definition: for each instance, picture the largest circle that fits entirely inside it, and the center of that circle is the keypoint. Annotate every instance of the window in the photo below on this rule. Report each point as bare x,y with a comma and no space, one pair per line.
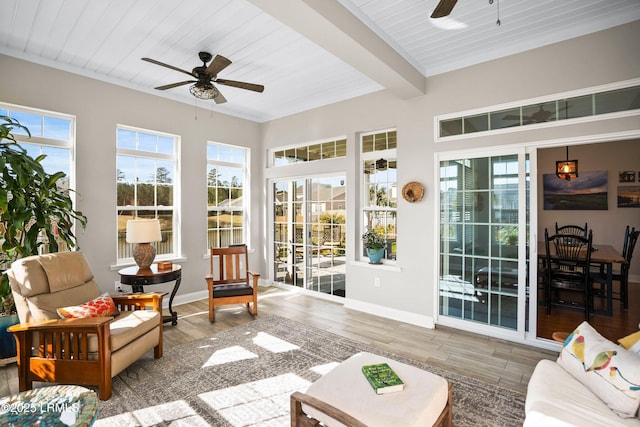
53,135
555,110
380,187
146,178
227,173
329,149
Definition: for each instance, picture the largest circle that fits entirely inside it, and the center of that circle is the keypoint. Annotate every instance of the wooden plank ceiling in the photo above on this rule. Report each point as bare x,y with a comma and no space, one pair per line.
307,53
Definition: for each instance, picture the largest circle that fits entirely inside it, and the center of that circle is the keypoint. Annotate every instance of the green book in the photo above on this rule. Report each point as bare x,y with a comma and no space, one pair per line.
382,378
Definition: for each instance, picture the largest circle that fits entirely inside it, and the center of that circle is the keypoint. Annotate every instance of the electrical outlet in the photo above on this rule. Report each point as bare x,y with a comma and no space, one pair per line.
376,282
118,286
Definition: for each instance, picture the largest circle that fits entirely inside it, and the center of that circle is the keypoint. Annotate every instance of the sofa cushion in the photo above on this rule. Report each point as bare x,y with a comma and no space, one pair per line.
102,306
607,369
631,342
556,398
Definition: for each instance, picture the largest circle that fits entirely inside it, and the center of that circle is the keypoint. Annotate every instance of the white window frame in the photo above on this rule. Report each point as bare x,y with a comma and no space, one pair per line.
391,153
175,209
246,188
42,141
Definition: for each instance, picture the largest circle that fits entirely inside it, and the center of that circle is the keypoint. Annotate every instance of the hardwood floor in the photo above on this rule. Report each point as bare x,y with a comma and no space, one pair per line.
622,323
492,360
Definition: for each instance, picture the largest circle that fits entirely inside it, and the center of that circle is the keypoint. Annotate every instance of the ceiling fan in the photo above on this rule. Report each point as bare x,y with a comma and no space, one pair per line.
443,8
205,76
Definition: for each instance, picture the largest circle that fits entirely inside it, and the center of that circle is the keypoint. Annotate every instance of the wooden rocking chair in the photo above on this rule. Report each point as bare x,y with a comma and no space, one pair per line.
229,282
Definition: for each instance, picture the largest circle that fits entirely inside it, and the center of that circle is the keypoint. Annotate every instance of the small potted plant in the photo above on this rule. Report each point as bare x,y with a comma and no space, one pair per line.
375,245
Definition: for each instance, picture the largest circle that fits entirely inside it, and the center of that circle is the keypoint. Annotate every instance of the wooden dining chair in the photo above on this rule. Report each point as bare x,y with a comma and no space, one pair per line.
622,275
573,230
229,281
567,270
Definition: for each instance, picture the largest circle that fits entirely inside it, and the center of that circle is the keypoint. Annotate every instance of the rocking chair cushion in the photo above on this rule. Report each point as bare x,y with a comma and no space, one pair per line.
223,291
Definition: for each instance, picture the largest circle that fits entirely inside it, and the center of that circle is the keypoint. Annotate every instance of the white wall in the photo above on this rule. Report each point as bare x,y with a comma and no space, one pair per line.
593,60
99,108
597,59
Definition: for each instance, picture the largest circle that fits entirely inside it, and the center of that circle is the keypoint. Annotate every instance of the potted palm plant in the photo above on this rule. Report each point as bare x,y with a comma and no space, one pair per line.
35,215
375,245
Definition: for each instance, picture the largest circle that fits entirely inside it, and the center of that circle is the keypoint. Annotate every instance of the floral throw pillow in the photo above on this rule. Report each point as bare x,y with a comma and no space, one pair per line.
609,370
102,306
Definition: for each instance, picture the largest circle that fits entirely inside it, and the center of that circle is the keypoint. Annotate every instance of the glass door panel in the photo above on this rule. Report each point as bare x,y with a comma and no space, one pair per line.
479,245
310,234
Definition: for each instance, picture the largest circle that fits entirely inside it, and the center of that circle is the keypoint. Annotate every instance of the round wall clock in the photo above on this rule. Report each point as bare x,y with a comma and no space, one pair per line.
412,191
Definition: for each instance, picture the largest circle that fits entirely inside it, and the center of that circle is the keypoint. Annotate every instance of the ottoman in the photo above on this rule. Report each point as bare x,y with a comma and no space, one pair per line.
344,397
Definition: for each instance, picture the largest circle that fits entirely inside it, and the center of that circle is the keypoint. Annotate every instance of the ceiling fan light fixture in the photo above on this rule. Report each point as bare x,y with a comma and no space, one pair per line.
567,169
204,90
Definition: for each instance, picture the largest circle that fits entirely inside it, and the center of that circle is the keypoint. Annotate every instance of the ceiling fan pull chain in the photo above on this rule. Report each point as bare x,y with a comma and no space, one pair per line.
497,11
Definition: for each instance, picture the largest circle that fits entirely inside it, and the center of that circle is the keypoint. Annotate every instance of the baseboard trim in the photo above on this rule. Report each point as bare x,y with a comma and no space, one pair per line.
391,313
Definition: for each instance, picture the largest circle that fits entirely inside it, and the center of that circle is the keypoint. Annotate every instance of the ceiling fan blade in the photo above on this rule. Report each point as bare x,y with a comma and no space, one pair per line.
511,117
443,8
220,99
169,86
218,64
162,64
241,85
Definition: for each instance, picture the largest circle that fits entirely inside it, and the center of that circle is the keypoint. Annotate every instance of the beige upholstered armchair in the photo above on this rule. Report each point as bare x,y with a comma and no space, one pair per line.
85,351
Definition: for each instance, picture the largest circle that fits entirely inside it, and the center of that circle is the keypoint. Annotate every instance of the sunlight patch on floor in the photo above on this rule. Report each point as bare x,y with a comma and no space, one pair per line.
264,402
323,369
176,413
273,344
228,355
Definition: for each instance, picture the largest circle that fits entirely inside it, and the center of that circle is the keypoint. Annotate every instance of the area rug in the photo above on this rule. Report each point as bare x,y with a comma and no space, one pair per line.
245,375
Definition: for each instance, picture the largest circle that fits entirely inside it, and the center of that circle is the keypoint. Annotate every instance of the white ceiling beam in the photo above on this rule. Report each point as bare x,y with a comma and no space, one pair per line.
331,26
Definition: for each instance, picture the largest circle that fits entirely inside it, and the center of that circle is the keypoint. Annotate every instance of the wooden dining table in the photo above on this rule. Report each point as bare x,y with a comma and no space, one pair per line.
603,254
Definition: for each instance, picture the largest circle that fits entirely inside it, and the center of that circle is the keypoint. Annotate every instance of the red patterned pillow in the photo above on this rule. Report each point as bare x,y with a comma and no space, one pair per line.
102,306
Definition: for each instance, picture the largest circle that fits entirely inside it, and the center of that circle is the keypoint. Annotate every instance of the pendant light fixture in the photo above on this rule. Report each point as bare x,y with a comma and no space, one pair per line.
567,169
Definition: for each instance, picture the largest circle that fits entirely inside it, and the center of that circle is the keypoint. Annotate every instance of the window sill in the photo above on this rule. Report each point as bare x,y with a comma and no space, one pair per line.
383,266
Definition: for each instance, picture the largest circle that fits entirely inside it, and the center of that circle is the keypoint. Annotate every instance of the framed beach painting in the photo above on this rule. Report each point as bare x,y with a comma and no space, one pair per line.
586,192
629,196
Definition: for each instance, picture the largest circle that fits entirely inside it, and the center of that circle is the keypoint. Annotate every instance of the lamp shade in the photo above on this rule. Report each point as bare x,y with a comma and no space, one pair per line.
143,231
567,169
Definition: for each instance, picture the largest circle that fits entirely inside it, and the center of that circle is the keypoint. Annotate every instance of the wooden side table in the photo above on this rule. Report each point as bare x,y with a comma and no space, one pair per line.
140,277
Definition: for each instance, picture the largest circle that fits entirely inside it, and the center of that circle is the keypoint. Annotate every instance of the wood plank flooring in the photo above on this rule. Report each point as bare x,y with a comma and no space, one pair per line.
620,324
492,360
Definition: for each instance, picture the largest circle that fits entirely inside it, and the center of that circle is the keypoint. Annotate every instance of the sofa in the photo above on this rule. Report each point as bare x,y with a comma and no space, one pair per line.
594,382
70,332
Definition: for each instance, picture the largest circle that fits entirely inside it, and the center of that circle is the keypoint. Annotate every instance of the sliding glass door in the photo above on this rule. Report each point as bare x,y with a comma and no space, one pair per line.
309,237
484,217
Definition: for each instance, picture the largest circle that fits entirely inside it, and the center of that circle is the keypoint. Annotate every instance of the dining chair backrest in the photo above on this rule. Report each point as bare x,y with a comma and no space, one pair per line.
630,239
571,252
573,229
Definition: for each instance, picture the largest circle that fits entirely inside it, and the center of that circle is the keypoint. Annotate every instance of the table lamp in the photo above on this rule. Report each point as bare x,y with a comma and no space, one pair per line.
142,232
